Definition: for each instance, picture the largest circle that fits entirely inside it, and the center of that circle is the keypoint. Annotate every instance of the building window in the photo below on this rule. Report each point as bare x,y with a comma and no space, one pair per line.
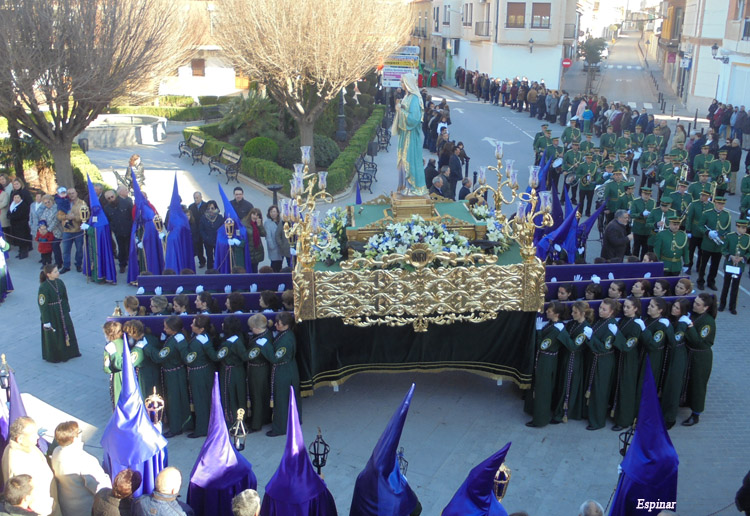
516,15
540,14
468,14
198,67
436,17
446,15
739,12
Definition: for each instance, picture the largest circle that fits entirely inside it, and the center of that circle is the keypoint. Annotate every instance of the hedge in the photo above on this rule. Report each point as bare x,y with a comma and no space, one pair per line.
261,148
176,101
212,100
177,114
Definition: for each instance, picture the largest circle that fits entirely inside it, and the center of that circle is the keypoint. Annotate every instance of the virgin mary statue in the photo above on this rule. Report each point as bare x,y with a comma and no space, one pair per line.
408,126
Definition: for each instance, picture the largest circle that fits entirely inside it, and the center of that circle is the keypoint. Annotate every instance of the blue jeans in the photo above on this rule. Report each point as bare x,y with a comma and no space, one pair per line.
69,239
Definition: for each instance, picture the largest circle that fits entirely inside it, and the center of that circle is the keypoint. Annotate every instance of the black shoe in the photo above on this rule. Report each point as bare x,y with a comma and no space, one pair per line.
690,270
670,425
591,428
618,428
722,307
554,422
169,435
64,270
701,285
694,419
201,265
271,433
733,311
79,268
123,269
193,435
712,286
530,424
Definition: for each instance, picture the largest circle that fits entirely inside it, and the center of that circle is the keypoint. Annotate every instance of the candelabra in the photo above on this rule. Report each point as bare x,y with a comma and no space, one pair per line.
511,181
159,225
85,215
301,220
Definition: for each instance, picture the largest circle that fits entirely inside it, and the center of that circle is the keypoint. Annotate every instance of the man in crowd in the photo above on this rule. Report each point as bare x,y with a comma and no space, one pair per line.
736,252
240,205
197,209
615,239
18,496
591,508
456,171
465,188
672,248
640,209
119,211
70,221
163,501
437,186
714,225
247,503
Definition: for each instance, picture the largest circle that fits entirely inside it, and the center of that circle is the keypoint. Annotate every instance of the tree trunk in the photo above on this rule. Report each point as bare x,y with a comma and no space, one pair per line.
15,149
306,128
63,169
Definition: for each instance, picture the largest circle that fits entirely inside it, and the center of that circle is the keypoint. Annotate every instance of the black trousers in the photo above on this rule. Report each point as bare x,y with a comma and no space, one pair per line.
732,287
715,259
634,167
585,195
209,255
198,250
647,180
640,245
553,176
695,243
123,249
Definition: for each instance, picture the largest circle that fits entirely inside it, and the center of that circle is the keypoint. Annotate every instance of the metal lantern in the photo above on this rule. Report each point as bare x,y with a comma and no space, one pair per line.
625,438
319,450
229,227
403,464
501,482
155,407
117,311
158,223
85,213
238,431
5,375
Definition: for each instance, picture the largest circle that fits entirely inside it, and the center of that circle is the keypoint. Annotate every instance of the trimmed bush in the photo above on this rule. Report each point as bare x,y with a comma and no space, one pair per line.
208,100
365,99
177,114
266,172
325,149
262,148
176,101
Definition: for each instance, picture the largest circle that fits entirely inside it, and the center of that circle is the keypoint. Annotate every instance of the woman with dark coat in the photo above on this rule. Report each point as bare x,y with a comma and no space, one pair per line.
209,224
18,215
117,501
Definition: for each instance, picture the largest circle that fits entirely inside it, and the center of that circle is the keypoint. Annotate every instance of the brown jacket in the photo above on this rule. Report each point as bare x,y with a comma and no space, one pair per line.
73,225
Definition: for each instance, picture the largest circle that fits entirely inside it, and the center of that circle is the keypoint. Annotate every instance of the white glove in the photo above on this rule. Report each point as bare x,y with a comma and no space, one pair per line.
596,279
684,270
640,324
628,212
713,234
254,287
235,241
557,248
612,327
748,212
581,250
141,344
48,325
646,213
2,241
230,242
140,291
158,291
282,287
647,275
140,245
611,276
577,277
685,319
539,323
110,348
560,326
664,321
84,226
293,251
162,235
227,289
690,235
179,290
588,332
661,185
553,280
199,289
163,336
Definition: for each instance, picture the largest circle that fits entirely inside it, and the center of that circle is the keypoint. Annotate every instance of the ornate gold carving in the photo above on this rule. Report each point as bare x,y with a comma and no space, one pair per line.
418,256
380,199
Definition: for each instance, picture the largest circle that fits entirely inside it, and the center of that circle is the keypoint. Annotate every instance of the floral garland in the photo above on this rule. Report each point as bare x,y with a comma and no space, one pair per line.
495,234
481,212
334,226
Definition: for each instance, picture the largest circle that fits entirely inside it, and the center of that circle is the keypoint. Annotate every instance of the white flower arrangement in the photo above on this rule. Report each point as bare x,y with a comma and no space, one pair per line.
495,234
480,211
334,228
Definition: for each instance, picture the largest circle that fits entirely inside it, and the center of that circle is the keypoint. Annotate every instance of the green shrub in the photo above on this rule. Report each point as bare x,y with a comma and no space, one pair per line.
3,125
262,148
177,114
176,101
325,149
213,146
361,112
341,171
208,100
214,130
365,99
266,172
226,99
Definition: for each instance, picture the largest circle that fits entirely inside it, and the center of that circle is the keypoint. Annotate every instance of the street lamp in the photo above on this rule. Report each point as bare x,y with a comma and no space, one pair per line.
715,51
531,45
341,132
319,450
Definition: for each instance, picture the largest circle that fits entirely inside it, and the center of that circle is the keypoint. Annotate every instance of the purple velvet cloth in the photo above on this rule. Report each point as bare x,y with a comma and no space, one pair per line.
17,409
221,252
105,257
143,227
179,239
476,496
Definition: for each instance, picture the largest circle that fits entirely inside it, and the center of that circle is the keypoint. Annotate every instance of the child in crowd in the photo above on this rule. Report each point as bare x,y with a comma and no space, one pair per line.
45,239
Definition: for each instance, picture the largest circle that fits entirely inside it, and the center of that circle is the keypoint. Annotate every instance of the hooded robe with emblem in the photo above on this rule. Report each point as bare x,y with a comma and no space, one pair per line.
200,372
600,367
113,367
676,366
148,373
231,357
700,340
259,380
99,259
654,344
476,496
570,374
174,375
284,373
626,371
539,397
59,343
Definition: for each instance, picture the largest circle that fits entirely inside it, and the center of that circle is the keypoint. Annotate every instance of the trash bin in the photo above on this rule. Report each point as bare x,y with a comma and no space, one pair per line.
420,81
433,80
83,143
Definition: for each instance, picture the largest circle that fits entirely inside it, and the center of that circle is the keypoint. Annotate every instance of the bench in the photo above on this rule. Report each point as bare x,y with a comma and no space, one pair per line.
211,113
370,166
620,270
193,148
252,300
215,282
384,138
227,162
580,286
155,323
364,178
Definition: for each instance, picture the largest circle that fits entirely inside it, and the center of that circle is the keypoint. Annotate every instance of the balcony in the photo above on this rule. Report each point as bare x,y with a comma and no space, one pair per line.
482,29
419,32
569,31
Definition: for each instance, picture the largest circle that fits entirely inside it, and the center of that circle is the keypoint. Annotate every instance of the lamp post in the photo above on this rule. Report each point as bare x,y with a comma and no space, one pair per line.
5,376
714,54
155,407
319,450
238,431
341,131
531,45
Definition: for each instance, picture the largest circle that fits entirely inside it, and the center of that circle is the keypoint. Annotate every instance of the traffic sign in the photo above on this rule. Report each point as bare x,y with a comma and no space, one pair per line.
567,63
397,65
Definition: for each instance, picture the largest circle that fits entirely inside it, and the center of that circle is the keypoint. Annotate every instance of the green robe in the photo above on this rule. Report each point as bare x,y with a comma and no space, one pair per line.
657,337
259,380
600,369
200,373
176,401
570,374
58,343
230,357
284,373
113,367
539,397
673,249
149,374
626,379
700,340
676,366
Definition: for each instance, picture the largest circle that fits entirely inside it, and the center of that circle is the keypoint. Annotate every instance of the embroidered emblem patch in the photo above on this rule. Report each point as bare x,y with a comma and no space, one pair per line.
163,353
678,336
42,299
253,353
222,352
133,356
191,357
658,336
580,339
280,352
705,331
631,342
608,342
546,343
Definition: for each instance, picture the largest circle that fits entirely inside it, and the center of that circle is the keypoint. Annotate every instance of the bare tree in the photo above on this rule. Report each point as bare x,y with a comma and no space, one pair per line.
305,51
62,62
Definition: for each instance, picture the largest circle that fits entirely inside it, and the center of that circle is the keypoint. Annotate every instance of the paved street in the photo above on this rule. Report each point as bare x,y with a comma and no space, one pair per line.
456,419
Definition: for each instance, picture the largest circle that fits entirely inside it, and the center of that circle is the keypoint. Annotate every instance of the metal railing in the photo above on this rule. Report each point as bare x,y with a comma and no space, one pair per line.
569,31
482,29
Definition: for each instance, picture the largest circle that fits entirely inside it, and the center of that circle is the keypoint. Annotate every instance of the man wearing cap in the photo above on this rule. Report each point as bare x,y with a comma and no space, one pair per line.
623,143
648,160
640,209
72,232
657,220
553,152
613,191
681,199
541,140
571,160
719,171
587,145
702,160
714,225
679,154
571,134
637,139
608,139
736,252
692,221
588,177
702,184
670,180
672,248
623,203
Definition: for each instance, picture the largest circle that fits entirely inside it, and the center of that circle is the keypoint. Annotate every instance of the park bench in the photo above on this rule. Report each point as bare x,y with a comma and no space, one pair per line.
215,282
384,138
192,147
211,113
364,177
227,162
618,270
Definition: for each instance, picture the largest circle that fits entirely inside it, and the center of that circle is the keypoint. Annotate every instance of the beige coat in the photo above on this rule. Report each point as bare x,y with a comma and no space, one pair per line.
4,203
17,461
79,477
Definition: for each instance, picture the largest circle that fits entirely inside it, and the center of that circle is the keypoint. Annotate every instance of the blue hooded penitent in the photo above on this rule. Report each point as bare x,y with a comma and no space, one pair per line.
381,489
221,253
99,259
649,469
144,231
296,489
130,439
179,239
476,496
17,409
220,472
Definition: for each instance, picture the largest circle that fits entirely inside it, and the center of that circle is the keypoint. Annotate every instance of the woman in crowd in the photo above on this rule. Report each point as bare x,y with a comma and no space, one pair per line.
617,289
200,372
570,371
4,203
641,288
662,336
132,307
662,288
206,304
650,257
235,303
160,306
602,341
269,301
180,304
550,335
117,501
59,342
259,372
675,362
231,356
135,166
683,287
626,379
145,368
18,216
593,292
566,292
113,358
284,373
700,339
48,212
253,222
276,241
209,224
174,376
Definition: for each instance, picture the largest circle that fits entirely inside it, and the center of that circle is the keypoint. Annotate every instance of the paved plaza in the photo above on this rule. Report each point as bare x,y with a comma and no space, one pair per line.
456,419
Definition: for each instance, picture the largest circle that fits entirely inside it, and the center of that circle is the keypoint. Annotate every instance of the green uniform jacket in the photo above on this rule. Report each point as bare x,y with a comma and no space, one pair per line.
656,139
113,367
637,207
731,248
177,400
553,152
626,378
695,190
200,378
607,141
745,207
570,373
622,144
624,202
717,169
539,397
586,146
284,373
571,160
666,174
657,337
149,374
681,202
672,249
647,159
600,368
636,140
701,162
570,135
745,188
541,143
231,357
259,380
676,365
679,156
700,340
612,192
588,170
721,221
58,343
653,219
694,214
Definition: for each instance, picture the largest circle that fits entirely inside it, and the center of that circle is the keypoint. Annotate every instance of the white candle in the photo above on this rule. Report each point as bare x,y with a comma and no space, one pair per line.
305,154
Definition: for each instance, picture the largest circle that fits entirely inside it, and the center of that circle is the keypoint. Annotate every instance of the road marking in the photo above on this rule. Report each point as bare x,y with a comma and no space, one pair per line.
494,142
629,67
632,105
639,67
648,105
458,110
517,127
619,67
